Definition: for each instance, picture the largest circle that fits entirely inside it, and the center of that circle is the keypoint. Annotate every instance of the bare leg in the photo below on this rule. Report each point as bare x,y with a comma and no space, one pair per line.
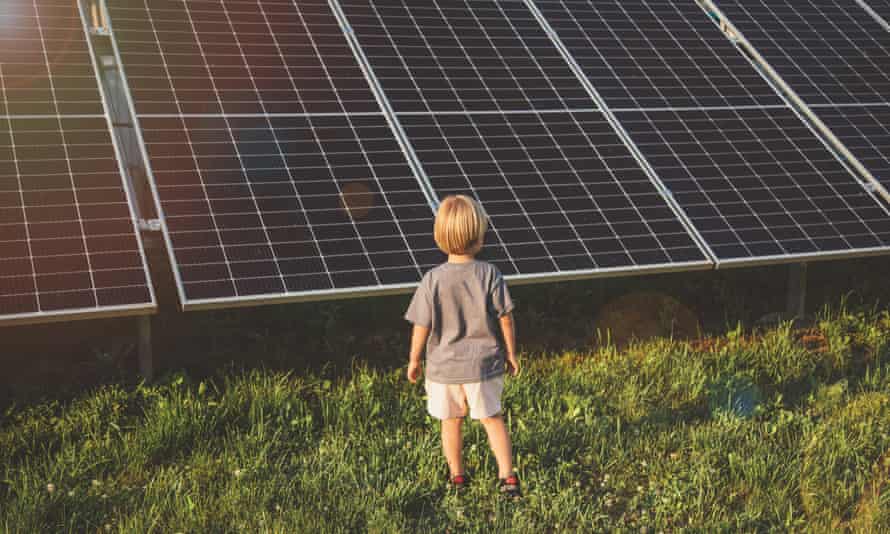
499,440
452,445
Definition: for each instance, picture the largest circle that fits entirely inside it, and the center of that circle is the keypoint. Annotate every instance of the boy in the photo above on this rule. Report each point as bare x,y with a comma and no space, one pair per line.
456,312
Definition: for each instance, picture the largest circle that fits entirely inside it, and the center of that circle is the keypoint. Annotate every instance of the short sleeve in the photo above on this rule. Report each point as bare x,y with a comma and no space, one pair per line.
420,311
501,302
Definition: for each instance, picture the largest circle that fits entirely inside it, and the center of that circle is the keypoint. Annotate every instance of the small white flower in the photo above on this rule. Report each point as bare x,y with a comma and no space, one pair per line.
71,493
107,527
104,495
51,488
277,507
639,489
237,473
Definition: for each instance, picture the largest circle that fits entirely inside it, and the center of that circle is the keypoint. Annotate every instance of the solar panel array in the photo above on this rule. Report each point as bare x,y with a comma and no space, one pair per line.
68,244
491,108
277,173
836,57
293,158
752,177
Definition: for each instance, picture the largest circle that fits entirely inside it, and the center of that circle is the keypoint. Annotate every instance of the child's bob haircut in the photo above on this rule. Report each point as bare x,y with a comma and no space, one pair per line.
460,225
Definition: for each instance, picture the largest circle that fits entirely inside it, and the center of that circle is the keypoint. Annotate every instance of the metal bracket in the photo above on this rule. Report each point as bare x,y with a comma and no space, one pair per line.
150,225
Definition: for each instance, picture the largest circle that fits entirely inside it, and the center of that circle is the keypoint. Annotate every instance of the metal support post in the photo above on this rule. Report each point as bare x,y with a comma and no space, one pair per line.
146,360
797,290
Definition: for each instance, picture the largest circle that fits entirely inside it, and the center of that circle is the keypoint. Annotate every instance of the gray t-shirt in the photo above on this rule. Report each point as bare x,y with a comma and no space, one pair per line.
460,303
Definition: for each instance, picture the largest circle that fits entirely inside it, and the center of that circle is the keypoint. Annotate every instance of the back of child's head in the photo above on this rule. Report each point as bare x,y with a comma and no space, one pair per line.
460,225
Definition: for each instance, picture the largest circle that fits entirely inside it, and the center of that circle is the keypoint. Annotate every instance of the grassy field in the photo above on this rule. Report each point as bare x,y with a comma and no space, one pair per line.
779,429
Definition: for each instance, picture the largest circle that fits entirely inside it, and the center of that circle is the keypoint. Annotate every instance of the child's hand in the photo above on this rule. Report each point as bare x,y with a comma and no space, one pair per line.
414,369
512,365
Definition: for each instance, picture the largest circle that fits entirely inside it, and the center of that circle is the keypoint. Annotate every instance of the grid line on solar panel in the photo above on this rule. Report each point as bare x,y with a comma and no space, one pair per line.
562,192
758,182
279,42
469,55
829,52
655,54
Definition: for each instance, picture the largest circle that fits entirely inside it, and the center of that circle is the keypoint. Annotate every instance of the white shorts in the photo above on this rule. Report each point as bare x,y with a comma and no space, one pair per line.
447,401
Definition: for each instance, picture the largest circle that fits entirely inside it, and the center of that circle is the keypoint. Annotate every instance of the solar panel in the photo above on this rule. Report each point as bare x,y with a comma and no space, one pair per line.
836,57
277,173
68,244
753,178
492,109
655,54
463,55
238,56
865,130
757,183
562,191
829,52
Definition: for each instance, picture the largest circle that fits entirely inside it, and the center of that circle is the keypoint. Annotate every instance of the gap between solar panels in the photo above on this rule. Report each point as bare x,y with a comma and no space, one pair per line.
69,248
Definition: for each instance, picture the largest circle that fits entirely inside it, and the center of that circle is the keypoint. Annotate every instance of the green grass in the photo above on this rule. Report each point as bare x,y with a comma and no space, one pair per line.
659,436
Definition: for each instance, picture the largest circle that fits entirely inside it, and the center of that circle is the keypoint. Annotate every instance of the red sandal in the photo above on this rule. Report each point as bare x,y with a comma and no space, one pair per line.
509,487
459,482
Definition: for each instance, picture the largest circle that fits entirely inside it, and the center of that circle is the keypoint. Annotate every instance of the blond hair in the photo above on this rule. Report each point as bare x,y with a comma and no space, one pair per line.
460,225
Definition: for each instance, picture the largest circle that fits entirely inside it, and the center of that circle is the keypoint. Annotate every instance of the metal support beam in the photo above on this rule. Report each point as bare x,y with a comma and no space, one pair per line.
146,360
797,290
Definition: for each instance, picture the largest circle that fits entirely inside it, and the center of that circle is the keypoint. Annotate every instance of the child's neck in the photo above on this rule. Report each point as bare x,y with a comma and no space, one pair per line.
461,258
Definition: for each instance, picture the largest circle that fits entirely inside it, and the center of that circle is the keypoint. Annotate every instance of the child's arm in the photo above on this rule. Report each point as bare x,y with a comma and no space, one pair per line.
418,341
509,332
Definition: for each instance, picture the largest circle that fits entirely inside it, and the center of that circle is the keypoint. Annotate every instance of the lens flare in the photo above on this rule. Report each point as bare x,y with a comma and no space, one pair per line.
357,199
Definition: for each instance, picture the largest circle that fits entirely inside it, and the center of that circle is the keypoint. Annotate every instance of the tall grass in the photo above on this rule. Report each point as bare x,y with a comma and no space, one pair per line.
650,437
